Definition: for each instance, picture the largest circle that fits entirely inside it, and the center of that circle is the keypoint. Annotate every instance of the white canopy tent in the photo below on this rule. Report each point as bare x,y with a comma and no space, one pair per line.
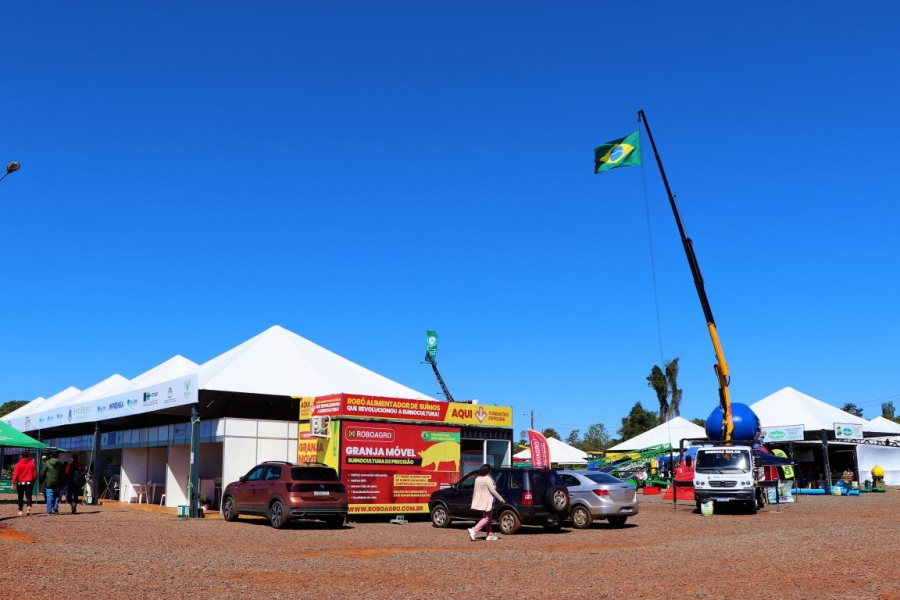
787,407
561,453
881,425
670,432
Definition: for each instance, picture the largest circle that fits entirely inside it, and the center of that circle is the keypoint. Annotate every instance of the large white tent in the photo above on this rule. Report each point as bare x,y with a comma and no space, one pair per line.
561,453
670,432
788,407
881,425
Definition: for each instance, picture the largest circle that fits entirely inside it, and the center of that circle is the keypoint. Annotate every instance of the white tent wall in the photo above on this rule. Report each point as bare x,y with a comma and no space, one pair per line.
886,457
177,475
249,442
134,470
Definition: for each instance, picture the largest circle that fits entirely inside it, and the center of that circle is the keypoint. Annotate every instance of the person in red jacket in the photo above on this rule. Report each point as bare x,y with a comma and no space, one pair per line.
23,477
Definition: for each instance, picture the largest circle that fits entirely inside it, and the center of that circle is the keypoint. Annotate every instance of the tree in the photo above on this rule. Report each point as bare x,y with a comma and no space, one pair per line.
887,409
700,422
852,409
672,378
573,439
657,380
10,406
550,432
596,438
637,422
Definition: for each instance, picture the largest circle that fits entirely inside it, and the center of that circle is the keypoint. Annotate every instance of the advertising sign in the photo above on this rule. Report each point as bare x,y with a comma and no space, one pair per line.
784,433
848,431
394,467
540,451
405,409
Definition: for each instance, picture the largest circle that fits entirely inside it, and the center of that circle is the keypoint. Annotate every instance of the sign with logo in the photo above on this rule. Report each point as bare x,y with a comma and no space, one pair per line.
848,431
784,433
404,409
394,468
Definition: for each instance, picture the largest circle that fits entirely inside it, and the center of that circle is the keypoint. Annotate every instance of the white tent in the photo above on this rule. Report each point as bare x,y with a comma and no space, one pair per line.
36,405
787,407
561,453
281,363
881,425
670,432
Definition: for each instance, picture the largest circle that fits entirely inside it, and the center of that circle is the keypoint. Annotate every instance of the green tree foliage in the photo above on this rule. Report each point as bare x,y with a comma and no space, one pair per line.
596,438
700,422
657,380
852,409
10,406
637,422
887,409
550,432
574,440
672,378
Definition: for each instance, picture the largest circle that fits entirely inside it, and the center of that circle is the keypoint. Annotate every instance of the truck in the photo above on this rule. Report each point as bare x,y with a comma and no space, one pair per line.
728,473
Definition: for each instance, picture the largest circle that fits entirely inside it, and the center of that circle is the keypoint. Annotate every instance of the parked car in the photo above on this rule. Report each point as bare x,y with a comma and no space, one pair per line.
282,491
532,497
597,495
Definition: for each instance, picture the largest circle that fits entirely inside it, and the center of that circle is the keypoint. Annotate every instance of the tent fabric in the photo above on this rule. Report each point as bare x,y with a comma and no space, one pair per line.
881,425
12,437
281,363
37,404
174,368
787,407
886,457
561,453
670,432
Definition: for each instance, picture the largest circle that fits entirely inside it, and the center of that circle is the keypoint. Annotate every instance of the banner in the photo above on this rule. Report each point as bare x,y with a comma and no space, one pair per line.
848,431
540,451
431,343
788,470
404,409
785,433
394,468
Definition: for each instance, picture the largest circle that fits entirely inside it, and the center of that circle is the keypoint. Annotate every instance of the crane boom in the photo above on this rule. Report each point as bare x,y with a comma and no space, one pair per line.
721,367
431,361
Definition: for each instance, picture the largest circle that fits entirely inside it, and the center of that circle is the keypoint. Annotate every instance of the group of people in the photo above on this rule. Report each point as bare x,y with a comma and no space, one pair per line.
55,477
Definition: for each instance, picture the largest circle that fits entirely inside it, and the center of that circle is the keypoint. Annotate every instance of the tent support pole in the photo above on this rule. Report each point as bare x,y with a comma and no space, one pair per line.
194,478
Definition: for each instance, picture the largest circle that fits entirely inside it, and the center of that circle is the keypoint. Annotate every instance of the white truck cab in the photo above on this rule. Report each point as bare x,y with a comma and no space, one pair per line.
727,474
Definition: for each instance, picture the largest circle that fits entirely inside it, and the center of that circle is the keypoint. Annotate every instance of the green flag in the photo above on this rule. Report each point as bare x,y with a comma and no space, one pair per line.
625,152
431,342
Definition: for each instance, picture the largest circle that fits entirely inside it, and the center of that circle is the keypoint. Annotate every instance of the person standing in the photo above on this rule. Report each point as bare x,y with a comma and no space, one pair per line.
75,479
23,477
483,495
52,477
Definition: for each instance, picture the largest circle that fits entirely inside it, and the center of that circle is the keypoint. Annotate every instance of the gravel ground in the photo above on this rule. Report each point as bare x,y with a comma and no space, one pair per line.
820,547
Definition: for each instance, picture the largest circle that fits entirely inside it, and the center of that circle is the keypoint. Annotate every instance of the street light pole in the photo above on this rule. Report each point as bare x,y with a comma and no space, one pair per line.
10,168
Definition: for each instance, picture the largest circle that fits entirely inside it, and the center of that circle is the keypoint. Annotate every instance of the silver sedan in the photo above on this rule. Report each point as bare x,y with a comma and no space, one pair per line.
597,495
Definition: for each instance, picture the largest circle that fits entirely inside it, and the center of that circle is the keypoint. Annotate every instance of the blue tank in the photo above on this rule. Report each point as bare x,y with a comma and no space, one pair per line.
746,423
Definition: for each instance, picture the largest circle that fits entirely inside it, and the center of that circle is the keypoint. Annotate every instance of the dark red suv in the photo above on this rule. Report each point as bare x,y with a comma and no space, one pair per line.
282,491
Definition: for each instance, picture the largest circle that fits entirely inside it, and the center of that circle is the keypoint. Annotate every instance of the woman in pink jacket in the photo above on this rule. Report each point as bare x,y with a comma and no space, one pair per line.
483,495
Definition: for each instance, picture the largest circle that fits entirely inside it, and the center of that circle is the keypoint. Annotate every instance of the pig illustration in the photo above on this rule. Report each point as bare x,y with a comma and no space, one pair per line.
444,452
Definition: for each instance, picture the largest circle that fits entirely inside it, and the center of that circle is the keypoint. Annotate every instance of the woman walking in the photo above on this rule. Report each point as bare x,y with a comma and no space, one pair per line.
23,477
483,496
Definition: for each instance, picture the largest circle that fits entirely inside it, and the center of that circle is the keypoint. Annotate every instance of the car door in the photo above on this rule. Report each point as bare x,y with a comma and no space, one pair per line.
243,491
266,489
459,498
577,489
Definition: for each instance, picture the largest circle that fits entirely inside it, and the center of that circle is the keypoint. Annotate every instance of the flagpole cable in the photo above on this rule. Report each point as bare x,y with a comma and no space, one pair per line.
659,333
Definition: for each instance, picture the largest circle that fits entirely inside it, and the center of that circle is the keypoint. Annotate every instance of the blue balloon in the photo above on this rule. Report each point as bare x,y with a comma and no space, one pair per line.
746,423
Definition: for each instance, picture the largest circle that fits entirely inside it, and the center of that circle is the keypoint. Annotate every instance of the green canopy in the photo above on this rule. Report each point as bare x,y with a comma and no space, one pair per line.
10,436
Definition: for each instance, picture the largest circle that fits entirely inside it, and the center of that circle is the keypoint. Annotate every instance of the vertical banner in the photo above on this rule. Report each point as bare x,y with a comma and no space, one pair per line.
788,470
540,451
431,343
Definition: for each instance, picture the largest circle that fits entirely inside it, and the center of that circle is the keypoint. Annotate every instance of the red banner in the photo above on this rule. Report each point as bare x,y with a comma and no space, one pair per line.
540,451
394,467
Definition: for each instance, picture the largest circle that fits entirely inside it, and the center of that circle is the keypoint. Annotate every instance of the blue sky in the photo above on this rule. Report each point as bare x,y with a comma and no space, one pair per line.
362,172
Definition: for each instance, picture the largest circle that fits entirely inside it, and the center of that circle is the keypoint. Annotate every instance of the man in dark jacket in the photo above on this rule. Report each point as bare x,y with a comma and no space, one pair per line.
53,477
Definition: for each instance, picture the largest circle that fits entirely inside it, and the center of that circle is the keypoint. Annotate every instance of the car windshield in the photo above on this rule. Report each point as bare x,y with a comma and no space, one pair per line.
598,477
313,474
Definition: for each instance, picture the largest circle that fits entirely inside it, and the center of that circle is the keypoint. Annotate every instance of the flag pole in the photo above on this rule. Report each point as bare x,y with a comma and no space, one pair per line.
721,368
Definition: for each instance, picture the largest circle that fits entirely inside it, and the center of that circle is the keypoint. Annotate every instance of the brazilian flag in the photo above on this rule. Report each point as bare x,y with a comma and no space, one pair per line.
625,152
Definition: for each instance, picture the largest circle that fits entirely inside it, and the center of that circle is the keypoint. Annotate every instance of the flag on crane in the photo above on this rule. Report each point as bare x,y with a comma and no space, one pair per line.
624,152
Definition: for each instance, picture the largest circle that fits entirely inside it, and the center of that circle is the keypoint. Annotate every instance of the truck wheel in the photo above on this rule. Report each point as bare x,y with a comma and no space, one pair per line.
509,522
753,507
439,516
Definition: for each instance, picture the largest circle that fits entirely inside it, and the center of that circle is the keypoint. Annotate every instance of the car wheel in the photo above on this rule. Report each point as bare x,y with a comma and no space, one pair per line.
228,510
617,521
335,522
439,516
581,517
277,518
558,498
509,522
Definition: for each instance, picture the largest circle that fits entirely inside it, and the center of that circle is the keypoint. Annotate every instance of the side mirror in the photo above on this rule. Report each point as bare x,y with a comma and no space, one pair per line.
242,478
688,461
